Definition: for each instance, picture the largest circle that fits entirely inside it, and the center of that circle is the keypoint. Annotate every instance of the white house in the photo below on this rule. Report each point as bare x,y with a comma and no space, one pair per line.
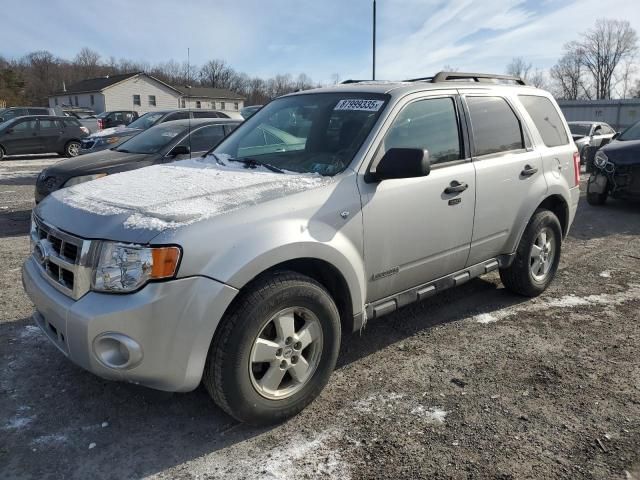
142,93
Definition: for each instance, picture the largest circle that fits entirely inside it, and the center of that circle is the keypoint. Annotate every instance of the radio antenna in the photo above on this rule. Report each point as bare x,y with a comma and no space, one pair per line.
188,100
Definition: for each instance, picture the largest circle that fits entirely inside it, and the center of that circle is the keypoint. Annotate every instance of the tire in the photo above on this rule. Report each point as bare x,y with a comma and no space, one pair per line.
596,198
72,149
1,154
237,382
519,277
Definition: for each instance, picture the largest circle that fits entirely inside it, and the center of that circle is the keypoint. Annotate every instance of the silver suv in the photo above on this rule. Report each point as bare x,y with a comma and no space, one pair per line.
329,207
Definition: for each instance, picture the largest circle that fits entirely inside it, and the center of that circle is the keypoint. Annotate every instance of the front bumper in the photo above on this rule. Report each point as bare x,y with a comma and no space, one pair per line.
171,323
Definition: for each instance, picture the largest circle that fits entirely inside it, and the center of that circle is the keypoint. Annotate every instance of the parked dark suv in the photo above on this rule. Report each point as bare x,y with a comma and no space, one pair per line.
41,134
14,112
108,138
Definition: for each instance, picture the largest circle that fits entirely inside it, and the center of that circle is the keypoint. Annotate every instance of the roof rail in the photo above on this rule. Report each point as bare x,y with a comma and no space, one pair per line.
345,82
475,77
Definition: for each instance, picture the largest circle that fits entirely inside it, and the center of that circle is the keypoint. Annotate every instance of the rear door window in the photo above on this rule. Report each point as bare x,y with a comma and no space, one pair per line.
49,124
205,138
495,126
546,119
38,111
205,115
177,116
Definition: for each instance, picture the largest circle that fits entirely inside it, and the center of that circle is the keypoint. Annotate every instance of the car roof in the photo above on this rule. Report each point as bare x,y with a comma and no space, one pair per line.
194,122
48,117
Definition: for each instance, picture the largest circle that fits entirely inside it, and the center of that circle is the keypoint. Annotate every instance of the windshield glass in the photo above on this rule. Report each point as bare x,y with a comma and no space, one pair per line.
152,140
319,132
631,133
145,121
580,128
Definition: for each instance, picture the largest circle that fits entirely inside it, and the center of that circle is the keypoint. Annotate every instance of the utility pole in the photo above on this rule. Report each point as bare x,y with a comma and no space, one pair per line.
373,77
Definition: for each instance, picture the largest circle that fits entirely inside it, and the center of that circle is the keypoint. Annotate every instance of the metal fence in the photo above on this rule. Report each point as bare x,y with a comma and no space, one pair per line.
618,113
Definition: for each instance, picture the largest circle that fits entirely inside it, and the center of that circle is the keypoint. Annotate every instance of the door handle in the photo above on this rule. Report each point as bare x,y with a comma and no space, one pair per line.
456,187
528,171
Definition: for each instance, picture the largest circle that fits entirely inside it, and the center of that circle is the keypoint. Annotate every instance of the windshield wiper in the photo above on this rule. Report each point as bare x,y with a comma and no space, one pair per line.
253,163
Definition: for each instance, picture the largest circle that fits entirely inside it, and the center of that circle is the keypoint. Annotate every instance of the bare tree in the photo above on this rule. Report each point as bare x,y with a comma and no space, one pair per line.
568,73
518,67
88,63
335,78
603,48
216,73
623,78
449,68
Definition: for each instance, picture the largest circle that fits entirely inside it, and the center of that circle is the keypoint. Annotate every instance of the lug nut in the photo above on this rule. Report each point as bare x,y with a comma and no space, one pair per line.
288,341
297,346
283,364
278,352
294,359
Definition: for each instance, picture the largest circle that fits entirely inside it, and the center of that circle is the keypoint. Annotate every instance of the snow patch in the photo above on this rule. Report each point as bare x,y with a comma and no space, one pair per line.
568,301
433,414
51,439
485,318
30,331
181,193
108,131
377,401
605,274
18,423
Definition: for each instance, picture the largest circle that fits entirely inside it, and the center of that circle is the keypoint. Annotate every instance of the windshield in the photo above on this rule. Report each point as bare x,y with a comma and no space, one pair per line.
152,140
631,133
580,128
309,133
146,120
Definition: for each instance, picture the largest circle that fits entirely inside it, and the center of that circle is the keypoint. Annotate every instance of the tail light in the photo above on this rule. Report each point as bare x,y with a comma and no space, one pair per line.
85,130
100,124
576,167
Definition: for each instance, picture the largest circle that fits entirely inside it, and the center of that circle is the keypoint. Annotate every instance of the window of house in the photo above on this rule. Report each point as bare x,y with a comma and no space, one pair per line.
76,98
198,105
183,103
70,101
546,119
213,105
136,100
152,100
430,124
92,100
221,105
495,126
235,105
56,101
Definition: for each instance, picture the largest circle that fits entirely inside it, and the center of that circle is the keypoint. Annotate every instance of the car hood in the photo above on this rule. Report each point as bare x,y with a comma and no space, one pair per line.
625,152
114,132
136,206
97,162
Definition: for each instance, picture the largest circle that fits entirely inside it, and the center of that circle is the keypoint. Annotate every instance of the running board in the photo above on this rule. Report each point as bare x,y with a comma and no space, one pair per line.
392,303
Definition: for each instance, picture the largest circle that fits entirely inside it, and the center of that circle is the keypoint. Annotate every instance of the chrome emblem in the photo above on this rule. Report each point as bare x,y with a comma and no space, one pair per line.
41,252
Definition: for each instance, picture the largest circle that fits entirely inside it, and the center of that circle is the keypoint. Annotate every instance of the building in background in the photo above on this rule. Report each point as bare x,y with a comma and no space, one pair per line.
142,93
618,113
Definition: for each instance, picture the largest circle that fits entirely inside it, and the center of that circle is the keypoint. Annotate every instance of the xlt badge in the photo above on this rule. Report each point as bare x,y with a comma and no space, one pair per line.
386,273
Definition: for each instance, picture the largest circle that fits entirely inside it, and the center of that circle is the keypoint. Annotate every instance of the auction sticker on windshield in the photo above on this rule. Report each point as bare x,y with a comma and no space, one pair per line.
359,104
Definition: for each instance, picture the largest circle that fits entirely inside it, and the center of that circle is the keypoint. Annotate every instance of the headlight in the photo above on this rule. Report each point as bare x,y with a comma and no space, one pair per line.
124,268
81,179
111,140
600,159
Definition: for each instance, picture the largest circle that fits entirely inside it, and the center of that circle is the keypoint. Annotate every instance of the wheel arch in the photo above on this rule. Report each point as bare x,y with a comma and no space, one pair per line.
559,206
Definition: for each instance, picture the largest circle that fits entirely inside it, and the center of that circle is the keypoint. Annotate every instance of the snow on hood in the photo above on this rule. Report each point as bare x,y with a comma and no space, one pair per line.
109,131
181,193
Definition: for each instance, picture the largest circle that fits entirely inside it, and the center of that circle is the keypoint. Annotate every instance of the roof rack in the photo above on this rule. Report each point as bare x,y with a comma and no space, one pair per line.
475,77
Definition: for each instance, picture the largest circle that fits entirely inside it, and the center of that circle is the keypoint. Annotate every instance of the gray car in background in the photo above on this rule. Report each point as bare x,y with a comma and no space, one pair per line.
591,134
325,209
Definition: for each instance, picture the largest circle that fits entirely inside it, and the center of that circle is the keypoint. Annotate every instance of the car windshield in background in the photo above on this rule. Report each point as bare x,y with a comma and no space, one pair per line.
580,128
631,133
152,140
145,121
308,133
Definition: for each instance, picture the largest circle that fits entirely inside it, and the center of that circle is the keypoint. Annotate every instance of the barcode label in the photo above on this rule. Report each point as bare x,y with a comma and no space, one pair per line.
359,104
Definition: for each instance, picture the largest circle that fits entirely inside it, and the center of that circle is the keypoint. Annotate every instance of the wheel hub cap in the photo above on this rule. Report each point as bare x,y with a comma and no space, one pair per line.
542,254
286,353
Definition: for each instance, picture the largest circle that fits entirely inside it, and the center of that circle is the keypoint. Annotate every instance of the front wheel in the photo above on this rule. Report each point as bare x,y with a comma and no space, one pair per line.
72,149
537,256
275,350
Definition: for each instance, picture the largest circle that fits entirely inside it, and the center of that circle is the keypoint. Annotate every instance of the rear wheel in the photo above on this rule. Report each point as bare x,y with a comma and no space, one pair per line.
1,154
596,198
275,350
72,149
537,256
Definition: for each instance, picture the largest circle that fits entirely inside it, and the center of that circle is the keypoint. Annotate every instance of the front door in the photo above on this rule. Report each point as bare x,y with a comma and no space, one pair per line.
22,138
414,230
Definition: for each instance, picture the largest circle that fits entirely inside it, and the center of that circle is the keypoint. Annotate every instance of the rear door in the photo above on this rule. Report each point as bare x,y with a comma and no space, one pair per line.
509,173
51,134
22,138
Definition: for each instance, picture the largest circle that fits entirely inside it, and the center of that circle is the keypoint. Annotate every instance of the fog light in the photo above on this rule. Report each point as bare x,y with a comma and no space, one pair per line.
115,350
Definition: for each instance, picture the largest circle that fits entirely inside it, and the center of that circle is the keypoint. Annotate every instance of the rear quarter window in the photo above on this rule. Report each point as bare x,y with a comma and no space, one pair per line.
71,122
546,119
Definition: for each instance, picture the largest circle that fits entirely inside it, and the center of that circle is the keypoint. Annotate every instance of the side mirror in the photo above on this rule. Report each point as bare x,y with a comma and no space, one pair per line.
403,163
179,150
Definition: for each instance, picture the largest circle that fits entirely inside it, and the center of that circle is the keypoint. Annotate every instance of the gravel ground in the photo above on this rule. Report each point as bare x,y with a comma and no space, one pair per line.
475,383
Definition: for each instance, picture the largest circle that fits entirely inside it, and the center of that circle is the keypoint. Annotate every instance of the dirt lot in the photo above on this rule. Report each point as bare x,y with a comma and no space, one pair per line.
475,383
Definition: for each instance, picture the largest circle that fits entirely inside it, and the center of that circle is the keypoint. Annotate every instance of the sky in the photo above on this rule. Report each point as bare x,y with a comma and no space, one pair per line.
320,38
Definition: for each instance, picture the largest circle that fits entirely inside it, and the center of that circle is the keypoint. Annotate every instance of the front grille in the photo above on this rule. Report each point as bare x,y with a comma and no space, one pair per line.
64,259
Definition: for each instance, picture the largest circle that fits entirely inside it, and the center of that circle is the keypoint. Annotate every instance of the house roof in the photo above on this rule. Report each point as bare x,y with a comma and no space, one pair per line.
207,92
96,84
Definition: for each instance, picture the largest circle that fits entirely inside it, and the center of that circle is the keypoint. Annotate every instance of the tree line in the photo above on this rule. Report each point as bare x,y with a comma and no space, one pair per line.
600,65
30,80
